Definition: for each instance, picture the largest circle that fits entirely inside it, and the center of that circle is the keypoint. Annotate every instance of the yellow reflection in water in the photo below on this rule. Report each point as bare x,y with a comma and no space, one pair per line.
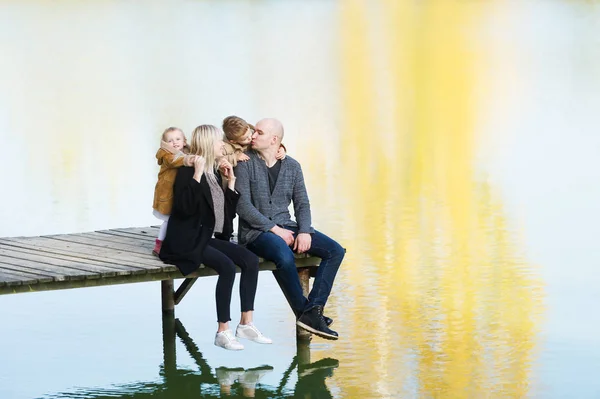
435,298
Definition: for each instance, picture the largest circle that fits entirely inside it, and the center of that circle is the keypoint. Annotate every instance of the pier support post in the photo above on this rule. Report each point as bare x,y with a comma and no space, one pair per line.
168,327
304,277
169,354
168,296
303,352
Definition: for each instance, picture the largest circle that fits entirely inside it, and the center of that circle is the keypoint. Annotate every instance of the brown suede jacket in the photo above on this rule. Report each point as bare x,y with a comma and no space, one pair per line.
233,151
169,160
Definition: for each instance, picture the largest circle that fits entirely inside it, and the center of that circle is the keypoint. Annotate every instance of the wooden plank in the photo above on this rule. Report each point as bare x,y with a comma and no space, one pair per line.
8,280
58,273
144,231
25,278
14,254
86,255
134,278
141,233
107,253
62,285
41,278
42,263
85,267
116,256
137,237
140,251
123,239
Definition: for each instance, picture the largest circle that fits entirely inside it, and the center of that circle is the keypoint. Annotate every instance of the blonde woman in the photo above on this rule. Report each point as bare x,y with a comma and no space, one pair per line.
203,210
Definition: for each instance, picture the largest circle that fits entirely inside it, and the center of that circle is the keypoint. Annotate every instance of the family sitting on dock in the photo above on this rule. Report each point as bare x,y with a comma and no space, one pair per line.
244,169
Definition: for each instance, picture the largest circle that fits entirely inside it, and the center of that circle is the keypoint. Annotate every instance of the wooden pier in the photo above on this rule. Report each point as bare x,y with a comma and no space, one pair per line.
106,257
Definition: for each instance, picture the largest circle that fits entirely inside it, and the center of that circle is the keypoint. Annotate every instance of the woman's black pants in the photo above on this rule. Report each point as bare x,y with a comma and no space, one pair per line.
222,256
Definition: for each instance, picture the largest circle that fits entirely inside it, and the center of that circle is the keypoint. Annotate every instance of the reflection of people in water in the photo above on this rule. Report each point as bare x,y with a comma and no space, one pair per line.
247,378
311,379
225,376
311,376
222,382
310,384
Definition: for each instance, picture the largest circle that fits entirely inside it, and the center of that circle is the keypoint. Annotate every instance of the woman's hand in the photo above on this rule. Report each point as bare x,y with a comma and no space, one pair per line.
199,163
225,167
227,171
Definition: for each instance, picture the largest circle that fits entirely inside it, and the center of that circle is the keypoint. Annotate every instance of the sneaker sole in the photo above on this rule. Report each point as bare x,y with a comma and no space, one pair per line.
229,349
250,339
317,332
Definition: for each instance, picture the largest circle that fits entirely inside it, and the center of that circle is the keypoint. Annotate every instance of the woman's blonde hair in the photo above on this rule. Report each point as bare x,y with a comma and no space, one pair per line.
203,144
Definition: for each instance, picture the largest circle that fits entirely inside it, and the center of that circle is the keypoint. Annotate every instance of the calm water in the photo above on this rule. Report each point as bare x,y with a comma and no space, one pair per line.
451,147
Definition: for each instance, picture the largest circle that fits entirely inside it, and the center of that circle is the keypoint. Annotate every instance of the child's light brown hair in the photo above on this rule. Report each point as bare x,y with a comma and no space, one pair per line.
172,129
235,127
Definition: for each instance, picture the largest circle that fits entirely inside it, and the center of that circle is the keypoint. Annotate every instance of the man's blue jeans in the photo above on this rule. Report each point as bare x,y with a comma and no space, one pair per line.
272,247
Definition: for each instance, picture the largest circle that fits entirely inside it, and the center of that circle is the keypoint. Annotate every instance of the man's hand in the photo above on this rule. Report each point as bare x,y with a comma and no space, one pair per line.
302,243
285,234
243,157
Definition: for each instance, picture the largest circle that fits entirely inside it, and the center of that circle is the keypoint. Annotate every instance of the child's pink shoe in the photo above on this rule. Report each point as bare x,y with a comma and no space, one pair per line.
157,246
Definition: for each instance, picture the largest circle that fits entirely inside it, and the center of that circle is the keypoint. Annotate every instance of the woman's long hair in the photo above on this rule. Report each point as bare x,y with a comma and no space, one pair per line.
203,143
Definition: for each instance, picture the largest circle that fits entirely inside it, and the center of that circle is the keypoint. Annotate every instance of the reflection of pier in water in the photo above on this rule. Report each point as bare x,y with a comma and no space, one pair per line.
221,382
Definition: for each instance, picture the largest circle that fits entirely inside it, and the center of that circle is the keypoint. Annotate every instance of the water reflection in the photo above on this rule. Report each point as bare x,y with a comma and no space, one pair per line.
222,382
435,268
437,296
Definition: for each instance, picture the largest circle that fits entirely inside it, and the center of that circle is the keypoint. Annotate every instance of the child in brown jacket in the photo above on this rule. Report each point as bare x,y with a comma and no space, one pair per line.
238,136
171,155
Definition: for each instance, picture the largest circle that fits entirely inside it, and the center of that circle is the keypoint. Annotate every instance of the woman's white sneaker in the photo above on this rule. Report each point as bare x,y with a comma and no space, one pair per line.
249,331
226,339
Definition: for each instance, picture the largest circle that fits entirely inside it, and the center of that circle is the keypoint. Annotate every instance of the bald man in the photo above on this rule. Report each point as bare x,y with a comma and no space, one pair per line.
267,187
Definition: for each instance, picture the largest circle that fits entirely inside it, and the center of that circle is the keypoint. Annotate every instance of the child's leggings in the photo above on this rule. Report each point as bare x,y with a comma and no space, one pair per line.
162,233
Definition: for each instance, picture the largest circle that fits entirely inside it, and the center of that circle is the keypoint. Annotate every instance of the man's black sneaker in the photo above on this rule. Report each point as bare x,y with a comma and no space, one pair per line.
328,320
312,320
